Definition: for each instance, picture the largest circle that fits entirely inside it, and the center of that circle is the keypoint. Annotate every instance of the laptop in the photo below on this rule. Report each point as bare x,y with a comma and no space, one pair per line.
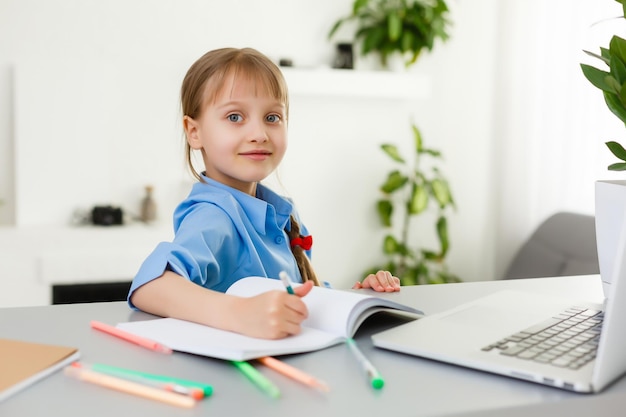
527,336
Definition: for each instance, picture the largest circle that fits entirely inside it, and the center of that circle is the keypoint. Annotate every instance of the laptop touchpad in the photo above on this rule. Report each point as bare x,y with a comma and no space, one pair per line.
485,316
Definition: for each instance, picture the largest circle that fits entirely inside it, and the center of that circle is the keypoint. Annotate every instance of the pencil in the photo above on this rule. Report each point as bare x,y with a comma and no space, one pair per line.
257,378
129,337
129,387
293,373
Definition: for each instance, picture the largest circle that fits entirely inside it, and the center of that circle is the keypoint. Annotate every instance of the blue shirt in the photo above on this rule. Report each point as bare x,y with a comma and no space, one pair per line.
223,235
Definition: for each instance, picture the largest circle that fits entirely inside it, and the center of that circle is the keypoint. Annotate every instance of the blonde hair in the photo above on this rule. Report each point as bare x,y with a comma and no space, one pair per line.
203,83
206,78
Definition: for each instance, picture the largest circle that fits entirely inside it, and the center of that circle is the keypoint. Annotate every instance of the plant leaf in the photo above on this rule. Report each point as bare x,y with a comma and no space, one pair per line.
597,77
617,47
618,166
393,152
336,27
406,42
410,277
403,250
432,152
419,199
617,150
390,245
417,135
385,211
442,234
395,181
441,192
395,26
430,255
618,69
373,39
615,105
622,94
600,57
358,5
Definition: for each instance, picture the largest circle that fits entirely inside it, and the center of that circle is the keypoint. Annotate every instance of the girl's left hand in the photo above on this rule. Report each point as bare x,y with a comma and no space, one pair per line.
382,281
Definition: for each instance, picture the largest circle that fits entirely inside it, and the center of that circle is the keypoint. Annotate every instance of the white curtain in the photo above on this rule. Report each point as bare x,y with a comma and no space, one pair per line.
551,124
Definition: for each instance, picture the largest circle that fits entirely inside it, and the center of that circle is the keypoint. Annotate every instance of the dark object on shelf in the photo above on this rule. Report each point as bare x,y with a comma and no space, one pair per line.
106,215
285,62
345,56
148,206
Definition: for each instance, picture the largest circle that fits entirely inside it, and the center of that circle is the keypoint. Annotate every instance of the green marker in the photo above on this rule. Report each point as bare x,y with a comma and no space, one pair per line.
121,372
375,378
257,378
286,282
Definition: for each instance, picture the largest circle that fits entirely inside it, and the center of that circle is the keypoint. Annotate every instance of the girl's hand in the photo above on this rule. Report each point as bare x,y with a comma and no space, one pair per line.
382,281
273,314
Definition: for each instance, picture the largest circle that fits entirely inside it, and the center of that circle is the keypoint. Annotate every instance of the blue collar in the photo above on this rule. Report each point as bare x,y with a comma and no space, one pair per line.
266,205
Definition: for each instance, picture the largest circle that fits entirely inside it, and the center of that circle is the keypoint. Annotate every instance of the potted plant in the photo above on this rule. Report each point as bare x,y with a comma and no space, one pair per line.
610,196
407,193
613,86
404,27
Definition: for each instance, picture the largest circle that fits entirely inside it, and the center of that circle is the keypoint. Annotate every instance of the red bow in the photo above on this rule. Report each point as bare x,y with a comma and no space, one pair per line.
305,242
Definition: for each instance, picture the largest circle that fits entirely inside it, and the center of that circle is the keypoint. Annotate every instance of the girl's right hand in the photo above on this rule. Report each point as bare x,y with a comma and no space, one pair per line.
273,314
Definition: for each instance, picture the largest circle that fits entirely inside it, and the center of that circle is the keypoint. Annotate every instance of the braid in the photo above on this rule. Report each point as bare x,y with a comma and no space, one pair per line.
302,260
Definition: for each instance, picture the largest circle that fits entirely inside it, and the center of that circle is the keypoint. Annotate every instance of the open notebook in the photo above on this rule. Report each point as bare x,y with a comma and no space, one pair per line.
333,316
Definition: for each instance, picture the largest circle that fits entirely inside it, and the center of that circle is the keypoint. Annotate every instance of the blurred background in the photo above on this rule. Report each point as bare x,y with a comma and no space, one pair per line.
89,115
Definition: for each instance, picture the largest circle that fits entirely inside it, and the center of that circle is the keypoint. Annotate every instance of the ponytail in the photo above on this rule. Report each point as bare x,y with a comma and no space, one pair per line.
302,260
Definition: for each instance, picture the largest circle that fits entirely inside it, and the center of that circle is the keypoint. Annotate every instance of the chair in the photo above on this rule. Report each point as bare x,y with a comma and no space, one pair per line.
564,244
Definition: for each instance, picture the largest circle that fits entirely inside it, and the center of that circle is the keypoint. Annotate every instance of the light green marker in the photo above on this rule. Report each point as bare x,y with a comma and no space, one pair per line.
121,372
257,378
375,378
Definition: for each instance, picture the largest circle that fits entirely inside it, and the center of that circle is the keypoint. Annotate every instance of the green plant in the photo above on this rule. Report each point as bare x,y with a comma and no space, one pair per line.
613,86
410,190
404,26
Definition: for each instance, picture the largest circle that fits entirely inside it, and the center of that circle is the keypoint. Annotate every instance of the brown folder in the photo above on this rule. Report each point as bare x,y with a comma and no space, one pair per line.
24,363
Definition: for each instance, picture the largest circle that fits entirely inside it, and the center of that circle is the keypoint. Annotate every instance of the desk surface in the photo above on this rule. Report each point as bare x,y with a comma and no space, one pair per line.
414,387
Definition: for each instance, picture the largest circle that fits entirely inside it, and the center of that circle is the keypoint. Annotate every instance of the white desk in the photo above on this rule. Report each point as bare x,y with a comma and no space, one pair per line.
414,387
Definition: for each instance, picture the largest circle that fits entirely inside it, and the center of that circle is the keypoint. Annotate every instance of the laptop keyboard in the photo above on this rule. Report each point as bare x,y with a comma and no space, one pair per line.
569,339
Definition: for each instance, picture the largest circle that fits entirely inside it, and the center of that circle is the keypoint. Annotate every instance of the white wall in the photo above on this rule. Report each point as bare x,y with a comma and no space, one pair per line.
550,122
338,141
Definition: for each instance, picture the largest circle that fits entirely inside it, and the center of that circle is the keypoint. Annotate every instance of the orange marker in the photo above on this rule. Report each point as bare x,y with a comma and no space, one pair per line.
164,383
129,337
129,387
293,373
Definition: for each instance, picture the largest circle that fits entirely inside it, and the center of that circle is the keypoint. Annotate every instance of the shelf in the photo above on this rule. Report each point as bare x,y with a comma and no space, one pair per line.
84,254
326,82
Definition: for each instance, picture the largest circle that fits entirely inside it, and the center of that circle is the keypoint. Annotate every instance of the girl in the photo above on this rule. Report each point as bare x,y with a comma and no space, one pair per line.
235,109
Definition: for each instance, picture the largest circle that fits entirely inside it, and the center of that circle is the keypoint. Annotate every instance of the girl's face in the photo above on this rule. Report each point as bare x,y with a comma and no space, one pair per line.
242,134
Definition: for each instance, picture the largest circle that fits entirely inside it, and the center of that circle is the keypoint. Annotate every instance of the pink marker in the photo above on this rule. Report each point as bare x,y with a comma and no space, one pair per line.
129,337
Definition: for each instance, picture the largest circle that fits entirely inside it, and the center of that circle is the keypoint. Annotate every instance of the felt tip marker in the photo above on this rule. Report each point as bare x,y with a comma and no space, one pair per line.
257,378
195,390
129,387
374,376
286,281
129,337
293,373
